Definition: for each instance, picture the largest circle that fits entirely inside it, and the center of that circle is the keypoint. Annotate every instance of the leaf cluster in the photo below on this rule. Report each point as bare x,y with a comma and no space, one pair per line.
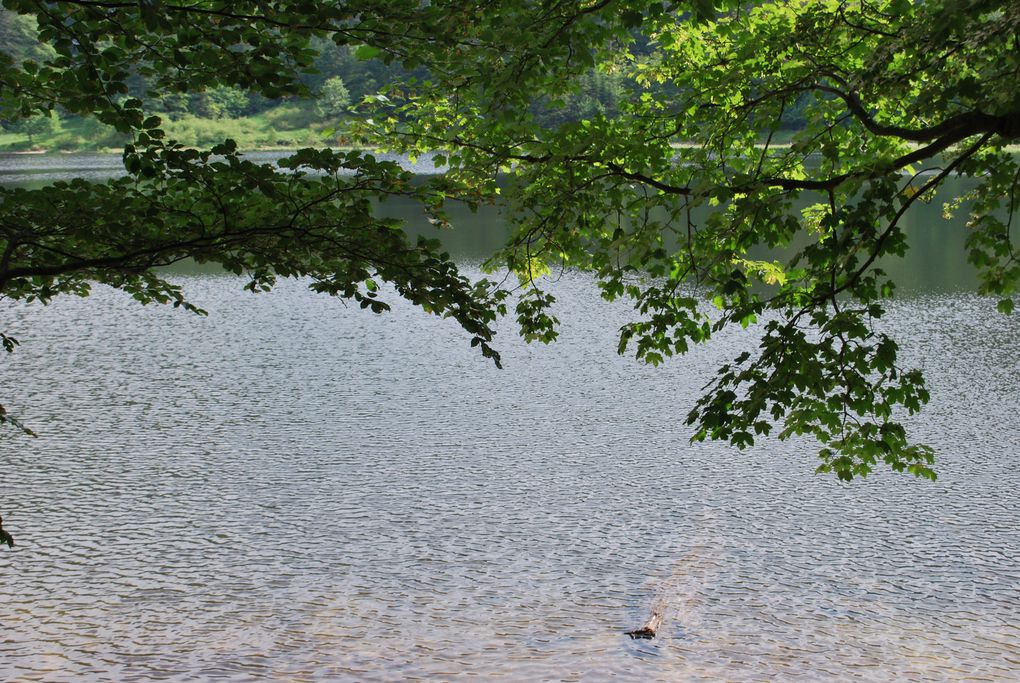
670,202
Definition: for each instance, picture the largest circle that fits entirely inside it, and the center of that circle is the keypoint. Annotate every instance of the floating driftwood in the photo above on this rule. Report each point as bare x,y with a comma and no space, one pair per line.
4,536
679,591
654,620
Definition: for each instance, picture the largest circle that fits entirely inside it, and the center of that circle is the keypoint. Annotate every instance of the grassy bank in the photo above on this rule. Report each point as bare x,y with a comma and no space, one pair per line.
286,126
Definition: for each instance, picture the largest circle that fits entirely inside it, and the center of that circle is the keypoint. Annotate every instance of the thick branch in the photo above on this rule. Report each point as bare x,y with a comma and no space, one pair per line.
958,127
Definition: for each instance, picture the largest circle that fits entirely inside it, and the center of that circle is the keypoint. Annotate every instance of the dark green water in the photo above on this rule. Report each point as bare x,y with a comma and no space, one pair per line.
936,261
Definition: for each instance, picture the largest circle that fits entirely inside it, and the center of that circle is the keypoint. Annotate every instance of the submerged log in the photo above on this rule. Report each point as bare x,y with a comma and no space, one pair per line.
651,626
677,592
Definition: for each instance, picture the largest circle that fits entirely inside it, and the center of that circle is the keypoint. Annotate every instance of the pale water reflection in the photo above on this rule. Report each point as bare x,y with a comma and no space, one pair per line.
293,489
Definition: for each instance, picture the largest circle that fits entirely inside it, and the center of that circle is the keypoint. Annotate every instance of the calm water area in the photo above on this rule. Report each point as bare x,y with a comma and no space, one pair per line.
294,489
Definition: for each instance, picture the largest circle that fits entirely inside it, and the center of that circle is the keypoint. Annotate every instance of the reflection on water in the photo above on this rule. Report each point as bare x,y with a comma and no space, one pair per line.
936,260
297,490
293,489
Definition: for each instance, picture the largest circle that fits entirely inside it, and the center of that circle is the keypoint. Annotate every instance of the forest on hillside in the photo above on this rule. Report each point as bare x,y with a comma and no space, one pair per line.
342,79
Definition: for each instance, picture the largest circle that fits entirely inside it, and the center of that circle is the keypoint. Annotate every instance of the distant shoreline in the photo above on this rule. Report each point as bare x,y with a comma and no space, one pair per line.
117,151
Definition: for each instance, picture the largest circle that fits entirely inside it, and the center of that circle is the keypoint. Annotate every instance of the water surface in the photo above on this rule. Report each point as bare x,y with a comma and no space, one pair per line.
294,489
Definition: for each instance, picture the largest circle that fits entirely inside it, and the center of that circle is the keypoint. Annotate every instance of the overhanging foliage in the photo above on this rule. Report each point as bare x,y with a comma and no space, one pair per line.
663,202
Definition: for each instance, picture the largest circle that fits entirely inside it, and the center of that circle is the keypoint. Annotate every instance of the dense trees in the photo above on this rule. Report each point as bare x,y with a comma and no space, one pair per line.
206,117
662,197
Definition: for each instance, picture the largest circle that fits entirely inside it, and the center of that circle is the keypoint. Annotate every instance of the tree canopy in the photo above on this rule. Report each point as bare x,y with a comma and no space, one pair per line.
665,200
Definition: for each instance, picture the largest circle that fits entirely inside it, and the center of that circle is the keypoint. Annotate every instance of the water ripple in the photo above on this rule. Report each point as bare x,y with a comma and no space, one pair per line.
291,489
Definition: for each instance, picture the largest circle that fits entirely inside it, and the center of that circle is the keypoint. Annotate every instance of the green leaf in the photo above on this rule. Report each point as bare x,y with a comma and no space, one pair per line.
365,53
704,10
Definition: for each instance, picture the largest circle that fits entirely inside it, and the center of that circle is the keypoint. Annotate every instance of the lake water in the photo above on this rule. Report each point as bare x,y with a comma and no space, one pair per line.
293,489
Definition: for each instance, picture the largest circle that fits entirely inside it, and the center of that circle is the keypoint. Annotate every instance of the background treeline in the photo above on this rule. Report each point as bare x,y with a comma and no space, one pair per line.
206,118
342,80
